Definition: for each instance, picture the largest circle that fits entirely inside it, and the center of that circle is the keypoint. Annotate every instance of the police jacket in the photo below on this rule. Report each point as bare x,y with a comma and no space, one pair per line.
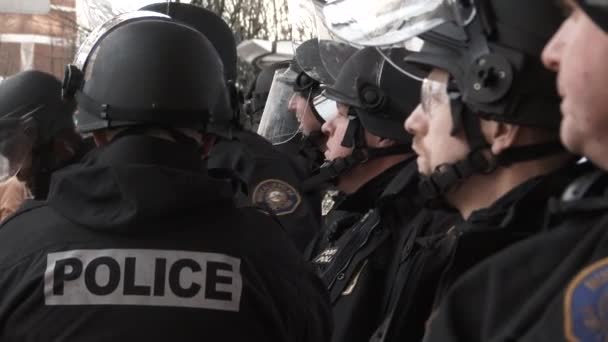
271,182
552,287
439,255
353,253
138,244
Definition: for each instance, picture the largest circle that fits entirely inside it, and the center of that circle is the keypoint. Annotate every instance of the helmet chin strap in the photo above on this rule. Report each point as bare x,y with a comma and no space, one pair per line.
446,176
311,147
354,137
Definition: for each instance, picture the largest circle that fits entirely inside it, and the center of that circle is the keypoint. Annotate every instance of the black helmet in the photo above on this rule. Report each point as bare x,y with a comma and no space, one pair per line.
260,88
32,114
36,95
313,73
220,35
310,67
207,23
495,60
380,100
381,97
597,11
145,68
496,73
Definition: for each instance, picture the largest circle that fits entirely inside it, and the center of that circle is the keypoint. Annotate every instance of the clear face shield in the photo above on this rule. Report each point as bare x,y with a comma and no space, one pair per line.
389,23
279,123
305,39
95,13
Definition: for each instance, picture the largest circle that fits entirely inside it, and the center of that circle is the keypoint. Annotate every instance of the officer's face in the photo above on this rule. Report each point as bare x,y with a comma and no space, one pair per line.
578,52
431,123
300,106
334,131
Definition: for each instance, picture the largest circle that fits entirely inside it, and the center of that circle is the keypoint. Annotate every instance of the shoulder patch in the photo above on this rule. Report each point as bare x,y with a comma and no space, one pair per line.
277,196
586,304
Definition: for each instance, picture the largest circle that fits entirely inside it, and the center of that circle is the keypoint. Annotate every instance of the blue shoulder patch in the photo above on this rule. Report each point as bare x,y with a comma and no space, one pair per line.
277,196
586,304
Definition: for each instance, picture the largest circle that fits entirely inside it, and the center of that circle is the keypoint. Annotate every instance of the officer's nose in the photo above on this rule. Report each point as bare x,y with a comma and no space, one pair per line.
415,122
328,127
553,50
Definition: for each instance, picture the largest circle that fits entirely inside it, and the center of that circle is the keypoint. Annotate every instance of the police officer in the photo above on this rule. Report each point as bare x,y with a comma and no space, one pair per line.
310,107
257,96
487,144
266,177
369,154
137,243
483,149
38,133
551,287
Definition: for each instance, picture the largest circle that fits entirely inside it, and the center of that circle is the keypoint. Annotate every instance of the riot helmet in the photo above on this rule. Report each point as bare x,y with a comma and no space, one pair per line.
313,74
33,119
308,61
32,114
379,100
222,38
143,68
207,23
597,11
256,97
495,73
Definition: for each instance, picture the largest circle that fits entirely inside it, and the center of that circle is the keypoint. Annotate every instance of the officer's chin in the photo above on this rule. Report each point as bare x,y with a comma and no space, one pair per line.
423,168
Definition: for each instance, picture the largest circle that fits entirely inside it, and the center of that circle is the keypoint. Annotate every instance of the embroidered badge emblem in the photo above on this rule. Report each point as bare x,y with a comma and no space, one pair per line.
276,196
586,304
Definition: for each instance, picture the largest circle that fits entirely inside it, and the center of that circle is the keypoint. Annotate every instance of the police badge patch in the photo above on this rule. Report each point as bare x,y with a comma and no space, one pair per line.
586,304
276,196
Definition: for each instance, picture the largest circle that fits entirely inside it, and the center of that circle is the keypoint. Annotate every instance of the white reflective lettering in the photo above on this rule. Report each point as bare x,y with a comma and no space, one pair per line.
143,277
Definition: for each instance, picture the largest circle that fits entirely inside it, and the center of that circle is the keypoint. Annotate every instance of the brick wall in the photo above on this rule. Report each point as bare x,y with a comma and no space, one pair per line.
43,42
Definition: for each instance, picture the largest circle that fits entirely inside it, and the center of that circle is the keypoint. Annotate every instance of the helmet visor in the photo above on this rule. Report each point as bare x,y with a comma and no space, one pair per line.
279,123
389,23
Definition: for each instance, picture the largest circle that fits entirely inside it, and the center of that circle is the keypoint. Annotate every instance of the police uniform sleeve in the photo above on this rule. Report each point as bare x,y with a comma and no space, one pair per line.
507,294
302,300
319,324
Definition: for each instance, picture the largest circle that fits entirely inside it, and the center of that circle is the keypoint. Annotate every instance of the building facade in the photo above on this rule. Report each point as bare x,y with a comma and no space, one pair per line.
42,42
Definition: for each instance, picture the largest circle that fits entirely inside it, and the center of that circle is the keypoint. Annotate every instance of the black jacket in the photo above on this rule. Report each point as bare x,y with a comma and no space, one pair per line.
137,244
272,182
353,254
438,256
552,287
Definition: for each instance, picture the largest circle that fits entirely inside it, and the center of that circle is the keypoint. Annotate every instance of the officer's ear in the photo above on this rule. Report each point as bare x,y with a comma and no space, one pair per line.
501,136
